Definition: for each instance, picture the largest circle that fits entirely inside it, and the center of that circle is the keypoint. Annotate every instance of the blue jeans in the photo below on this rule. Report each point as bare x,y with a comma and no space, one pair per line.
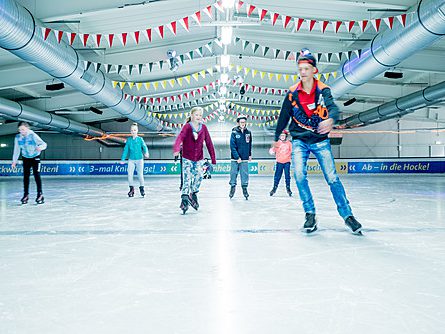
279,167
243,169
323,153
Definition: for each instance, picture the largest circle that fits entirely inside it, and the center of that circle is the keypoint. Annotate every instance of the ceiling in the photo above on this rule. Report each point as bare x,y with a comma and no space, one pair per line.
23,82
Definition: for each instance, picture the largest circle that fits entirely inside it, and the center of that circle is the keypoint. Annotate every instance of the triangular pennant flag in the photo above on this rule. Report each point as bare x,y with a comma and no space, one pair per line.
337,25
276,52
59,35
97,66
131,84
250,9
160,63
108,68
362,25
71,37
185,23
122,85
135,35
270,76
255,47
160,31
294,77
138,87
114,83
357,53
329,56
118,68
389,21
239,5
172,83
97,39
130,68
402,19
286,19
147,87
245,43
187,78
238,68
376,24
262,74
110,40
278,76
287,54
85,39
164,83
123,38
349,25
195,76
208,11
181,59
140,66
45,32
197,17
218,5
323,25
263,14
190,55
274,18
218,42
86,65
172,27
311,24
298,23
156,85
209,46
203,73
265,50
148,34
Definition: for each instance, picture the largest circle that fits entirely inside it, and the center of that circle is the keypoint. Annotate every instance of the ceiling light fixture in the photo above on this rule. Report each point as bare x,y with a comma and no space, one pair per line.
225,60
349,102
56,86
226,35
393,75
228,3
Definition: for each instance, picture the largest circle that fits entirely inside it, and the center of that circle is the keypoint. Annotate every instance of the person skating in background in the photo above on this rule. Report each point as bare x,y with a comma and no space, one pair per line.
135,149
283,152
310,107
30,145
241,154
192,137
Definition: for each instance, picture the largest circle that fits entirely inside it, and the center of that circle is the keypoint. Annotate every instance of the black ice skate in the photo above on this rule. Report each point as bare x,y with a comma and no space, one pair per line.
131,192
142,191
184,203
40,199
289,192
354,225
25,199
310,224
245,193
194,201
232,191
273,191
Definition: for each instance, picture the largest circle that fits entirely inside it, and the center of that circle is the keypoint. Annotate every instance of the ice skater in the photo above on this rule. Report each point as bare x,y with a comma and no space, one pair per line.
136,150
30,145
241,154
312,111
192,138
283,152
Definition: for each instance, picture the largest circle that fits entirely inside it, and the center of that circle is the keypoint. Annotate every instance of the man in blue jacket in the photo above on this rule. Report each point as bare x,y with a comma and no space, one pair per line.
241,154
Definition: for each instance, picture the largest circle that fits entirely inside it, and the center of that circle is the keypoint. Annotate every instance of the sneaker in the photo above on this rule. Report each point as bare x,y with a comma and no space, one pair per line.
194,201
273,191
310,223
353,224
232,191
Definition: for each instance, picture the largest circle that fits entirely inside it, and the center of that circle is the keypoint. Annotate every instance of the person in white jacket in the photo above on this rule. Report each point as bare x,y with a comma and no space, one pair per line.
29,144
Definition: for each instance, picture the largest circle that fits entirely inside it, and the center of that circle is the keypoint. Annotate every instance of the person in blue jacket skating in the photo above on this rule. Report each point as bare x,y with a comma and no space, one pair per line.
136,148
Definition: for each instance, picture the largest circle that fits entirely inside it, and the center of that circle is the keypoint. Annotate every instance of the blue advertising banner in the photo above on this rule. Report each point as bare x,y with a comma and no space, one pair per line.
383,167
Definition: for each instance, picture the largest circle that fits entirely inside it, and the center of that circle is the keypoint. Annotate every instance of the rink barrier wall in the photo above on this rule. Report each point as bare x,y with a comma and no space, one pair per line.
256,167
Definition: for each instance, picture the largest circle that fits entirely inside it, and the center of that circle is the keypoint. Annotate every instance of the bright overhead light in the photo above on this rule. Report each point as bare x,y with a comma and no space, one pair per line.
225,60
3,145
228,3
226,35
224,78
223,90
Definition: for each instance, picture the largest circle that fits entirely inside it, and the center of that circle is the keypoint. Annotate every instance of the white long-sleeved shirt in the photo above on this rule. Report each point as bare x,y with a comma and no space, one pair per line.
27,145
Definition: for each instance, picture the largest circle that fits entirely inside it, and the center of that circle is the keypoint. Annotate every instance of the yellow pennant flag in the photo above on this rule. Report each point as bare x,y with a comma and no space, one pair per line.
115,84
286,77
187,78
262,74
294,77
122,84
139,85
210,71
326,76
278,76
246,70
164,83
170,116
180,81
175,116
254,72
270,76
268,112
156,85
131,84
203,73
172,82
238,68
195,76
147,85
334,74
263,112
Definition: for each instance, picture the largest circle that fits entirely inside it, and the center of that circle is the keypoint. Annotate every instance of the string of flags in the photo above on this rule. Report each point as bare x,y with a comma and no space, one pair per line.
136,36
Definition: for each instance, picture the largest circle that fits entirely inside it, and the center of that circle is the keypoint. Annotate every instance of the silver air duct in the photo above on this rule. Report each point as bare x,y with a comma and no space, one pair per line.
19,111
20,35
399,107
389,48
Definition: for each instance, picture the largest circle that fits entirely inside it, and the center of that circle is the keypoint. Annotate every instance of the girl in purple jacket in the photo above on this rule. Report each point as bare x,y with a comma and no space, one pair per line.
192,137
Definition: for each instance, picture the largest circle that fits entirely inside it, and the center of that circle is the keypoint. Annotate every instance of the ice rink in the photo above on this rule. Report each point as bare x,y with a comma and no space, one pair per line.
92,260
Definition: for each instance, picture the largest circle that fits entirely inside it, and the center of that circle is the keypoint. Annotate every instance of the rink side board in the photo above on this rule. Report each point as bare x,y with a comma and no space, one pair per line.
256,167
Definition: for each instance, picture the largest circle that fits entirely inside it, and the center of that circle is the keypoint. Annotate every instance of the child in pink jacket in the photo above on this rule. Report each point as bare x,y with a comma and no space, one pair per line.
283,152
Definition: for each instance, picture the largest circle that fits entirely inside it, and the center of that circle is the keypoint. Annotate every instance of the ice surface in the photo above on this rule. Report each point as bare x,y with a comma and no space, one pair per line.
92,260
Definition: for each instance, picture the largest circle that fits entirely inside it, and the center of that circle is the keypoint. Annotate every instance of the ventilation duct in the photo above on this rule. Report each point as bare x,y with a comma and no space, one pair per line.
389,48
19,111
397,108
20,34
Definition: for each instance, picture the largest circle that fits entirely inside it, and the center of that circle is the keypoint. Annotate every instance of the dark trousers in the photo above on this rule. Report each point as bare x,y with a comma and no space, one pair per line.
279,167
33,163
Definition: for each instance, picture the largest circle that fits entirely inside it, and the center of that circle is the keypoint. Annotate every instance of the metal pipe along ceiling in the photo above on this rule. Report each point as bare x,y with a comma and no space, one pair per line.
401,106
20,35
389,48
19,111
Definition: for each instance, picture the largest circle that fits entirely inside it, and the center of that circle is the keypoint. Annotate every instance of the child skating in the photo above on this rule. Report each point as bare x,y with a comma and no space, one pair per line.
283,155
192,138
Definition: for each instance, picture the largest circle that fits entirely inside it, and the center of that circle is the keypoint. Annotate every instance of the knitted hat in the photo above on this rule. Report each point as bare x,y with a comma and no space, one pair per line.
240,117
307,57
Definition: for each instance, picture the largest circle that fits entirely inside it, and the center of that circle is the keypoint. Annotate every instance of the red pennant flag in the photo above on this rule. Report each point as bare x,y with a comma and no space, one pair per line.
173,27
197,17
363,25
274,18
286,19
148,33
186,95
299,23
311,24
250,10
125,96
208,11
402,19
180,98
110,39
71,37
349,25
337,25
323,25
59,35
193,93
98,39
389,21
376,24
263,14
185,23
239,5
161,31
206,88
136,36
46,32
152,100
124,38
85,39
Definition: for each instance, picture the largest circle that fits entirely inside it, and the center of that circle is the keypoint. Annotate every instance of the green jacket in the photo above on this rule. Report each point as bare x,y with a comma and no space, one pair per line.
136,147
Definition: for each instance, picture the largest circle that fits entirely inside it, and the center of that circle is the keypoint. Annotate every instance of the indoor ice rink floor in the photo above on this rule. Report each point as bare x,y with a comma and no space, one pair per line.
92,260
